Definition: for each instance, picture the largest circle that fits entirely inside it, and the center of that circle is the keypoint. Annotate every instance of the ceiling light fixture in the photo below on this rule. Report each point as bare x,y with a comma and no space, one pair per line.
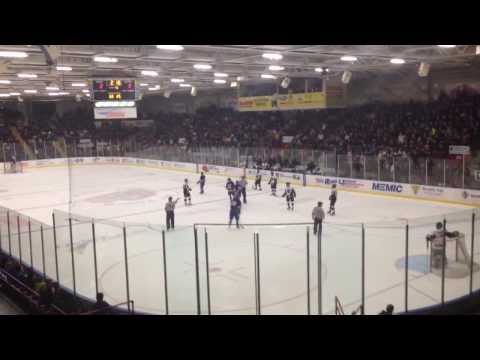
348,58
52,88
27,76
5,95
5,82
64,68
219,81
149,73
446,46
15,94
233,84
176,81
170,47
13,54
272,56
276,68
397,61
105,59
30,91
79,84
268,76
202,66
218,74
185,85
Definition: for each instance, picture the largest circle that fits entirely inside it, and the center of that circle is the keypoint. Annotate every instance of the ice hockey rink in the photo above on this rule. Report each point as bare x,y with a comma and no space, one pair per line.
118,195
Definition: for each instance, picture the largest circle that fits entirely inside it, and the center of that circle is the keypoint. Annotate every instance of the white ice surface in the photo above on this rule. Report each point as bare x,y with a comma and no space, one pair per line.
137,196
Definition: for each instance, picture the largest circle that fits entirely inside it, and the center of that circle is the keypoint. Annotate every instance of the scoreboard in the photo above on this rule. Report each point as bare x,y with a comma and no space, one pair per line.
113,90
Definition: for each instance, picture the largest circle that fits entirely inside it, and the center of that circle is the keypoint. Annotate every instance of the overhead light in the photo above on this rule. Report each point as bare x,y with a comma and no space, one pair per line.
185,85
241,78
233,84
143,84
4,95
167,94
219,81
105,59
319,69
13,54
477,50
272,56
64,68
79,84
88,95
202,66
15,94
217,74
149,73
397,61
176,81
346,77
86,91
61,93
423,69
114,103
170,47
276,68
268,76
52,88
447,46
53,94
285,83
20,99
156,87
193,92
30,91
27,76
348,58
5,82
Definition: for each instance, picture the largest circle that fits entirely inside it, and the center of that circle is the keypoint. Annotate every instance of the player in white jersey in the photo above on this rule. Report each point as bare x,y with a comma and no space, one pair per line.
186,193
333,200
273,184
290,194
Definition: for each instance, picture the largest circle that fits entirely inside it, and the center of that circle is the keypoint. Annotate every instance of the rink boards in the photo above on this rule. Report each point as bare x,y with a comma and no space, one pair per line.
411,191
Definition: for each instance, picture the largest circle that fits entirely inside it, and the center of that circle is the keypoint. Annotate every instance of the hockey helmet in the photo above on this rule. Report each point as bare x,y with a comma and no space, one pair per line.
439,225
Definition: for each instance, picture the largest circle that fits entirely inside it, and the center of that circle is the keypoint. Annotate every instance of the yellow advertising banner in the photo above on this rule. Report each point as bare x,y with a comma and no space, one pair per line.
314,100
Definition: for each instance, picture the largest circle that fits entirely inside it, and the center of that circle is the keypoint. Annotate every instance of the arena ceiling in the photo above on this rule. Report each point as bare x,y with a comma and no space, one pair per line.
235,60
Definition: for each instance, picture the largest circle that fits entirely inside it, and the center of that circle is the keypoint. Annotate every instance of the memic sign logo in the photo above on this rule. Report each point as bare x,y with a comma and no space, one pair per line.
376,186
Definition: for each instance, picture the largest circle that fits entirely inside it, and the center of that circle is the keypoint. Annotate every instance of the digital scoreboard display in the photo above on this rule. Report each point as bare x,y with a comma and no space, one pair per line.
113,90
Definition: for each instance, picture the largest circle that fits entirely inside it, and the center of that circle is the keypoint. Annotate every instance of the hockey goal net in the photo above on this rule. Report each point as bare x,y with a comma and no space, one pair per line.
12,168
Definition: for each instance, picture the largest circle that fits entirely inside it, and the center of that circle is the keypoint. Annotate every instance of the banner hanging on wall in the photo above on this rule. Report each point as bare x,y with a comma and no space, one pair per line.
313,100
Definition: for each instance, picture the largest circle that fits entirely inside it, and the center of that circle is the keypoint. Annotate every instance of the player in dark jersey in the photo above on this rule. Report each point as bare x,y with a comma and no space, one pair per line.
186,193
273,184
235,208
258,181
230,186
290,195
333,200
201,182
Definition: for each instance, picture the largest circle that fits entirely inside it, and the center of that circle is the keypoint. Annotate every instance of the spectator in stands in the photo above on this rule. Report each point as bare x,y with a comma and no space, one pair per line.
387,311
101,307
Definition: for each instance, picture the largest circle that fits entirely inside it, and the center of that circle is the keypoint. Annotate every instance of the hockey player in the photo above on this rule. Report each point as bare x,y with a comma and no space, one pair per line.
230,186
258,181
235,208
201,182
273,184
290,195
186,193
243,188
318,215
333,200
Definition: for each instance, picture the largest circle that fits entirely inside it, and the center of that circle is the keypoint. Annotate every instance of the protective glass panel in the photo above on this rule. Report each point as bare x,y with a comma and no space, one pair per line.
371,168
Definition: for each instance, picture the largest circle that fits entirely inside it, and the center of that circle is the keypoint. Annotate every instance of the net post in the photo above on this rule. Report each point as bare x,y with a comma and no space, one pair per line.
471,252
363,269
30,242
197,275
43,251
426,171
95,266
125,253
255,272
19,239
406,266
444,259
409,171
73,257
308,272
444,172
319,270
9,234
463,172
57,273
208,273
258,274
165,277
